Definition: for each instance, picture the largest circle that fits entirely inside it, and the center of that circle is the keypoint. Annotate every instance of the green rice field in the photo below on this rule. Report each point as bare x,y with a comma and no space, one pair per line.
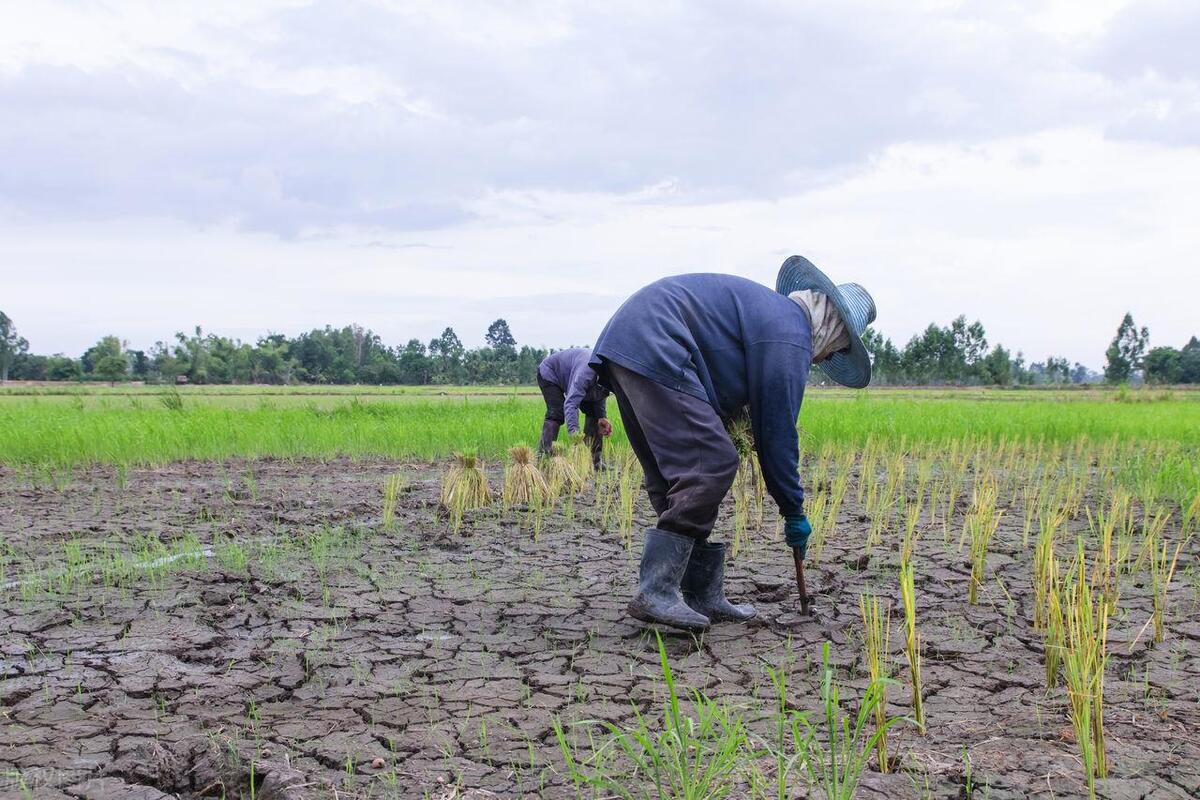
63,427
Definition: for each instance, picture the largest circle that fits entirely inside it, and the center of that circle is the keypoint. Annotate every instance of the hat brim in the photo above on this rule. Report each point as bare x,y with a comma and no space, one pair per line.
850,368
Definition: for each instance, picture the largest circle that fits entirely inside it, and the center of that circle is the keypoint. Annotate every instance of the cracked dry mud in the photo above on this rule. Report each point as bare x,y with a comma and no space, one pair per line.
412,662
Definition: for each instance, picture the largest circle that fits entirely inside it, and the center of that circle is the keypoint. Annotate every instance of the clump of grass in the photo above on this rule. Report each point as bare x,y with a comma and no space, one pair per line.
876,639
982,521
391,498
678,754
171,400
912,642
464,487
523,481
835,760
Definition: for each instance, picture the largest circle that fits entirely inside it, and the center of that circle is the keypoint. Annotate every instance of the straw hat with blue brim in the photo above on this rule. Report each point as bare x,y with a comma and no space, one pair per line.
851,367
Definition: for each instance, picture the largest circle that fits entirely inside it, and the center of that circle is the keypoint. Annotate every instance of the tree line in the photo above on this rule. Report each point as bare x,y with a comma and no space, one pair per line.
954,354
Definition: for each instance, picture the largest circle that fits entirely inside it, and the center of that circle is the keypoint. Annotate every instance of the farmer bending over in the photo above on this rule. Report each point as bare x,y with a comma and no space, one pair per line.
569,385
687,352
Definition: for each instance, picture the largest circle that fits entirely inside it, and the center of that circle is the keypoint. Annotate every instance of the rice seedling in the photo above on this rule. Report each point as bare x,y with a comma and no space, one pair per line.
876,640
628,485
579,453
464,487
676,754
1084,661
1191,513
817,510
832,753
1029,506
885,499
391,496
908,541
1054,632
1049,522
912,642
838,766
561,475
1162,570
1154,526
523,481
982,521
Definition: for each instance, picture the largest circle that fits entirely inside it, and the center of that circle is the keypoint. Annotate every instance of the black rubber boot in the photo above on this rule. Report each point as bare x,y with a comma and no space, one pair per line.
704,585
549,434
658,598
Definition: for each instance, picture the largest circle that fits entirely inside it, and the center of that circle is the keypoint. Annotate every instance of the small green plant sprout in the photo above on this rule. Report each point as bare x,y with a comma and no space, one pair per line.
837,763
464,487
561,475
523,481
876,640
1083,667
982,521
391,495
912,641
693,753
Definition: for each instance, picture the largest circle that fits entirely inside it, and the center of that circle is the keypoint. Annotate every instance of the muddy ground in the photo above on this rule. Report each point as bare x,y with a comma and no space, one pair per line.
308,652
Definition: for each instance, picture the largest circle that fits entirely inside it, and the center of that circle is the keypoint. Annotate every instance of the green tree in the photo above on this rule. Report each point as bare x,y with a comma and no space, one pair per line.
446,351
499,337
111,368
1124,355
1058,370
1189,362
997,367
61,368
108,347
1163,365
12,345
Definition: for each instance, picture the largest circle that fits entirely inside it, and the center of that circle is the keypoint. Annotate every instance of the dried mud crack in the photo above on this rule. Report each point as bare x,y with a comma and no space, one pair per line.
309,652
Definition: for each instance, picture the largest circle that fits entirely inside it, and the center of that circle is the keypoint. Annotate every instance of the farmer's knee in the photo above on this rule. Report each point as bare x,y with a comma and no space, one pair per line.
555,415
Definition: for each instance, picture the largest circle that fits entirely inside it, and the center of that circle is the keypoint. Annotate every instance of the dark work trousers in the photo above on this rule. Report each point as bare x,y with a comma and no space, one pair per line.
687,456
555,399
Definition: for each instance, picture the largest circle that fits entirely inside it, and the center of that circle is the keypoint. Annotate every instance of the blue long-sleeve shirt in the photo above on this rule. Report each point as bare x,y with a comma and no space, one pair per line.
569,370
732,342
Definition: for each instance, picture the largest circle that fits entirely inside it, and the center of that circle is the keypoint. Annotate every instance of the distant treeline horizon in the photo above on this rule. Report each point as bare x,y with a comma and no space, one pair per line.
956,354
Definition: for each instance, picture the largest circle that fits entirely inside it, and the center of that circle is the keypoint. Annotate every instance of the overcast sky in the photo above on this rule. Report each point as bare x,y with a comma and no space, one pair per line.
260,167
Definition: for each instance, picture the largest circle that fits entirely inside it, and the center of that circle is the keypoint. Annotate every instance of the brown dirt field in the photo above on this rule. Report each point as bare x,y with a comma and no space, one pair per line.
414,662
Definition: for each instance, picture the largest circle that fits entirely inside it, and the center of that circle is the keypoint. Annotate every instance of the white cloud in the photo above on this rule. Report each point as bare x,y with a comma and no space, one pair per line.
257,167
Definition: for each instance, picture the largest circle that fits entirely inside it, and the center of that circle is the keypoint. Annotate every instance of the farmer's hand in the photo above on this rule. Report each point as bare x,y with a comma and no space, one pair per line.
604,426
796,531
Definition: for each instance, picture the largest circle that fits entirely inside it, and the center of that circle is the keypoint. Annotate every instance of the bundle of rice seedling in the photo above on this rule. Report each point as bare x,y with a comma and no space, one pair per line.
464,487
523,481
580,456
561,475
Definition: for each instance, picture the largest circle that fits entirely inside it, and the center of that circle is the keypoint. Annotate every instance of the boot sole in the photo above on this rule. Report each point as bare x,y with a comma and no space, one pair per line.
644,616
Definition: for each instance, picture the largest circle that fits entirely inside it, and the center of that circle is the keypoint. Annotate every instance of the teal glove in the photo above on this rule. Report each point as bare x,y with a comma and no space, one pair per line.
796,531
